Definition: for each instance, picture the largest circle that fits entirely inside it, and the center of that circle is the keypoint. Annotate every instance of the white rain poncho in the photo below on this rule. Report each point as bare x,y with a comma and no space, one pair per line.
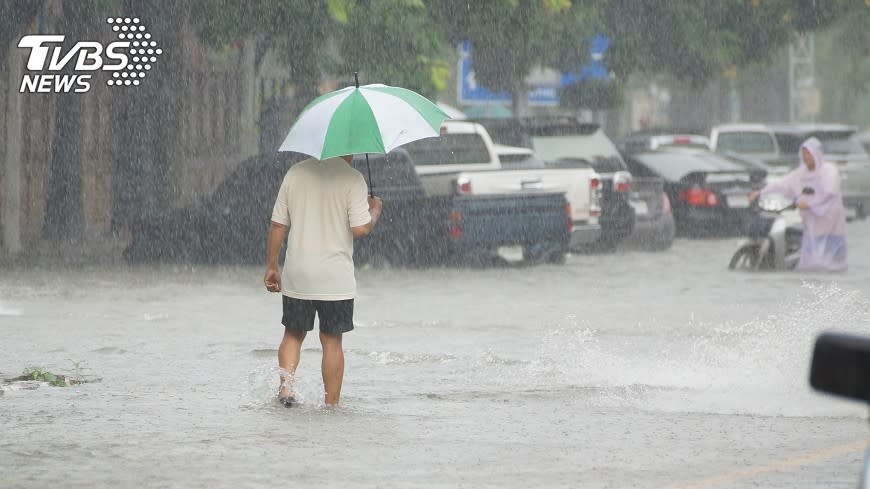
824,240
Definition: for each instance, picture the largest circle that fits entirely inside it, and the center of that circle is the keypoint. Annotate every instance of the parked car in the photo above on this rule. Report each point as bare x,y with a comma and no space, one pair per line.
228,225
654,226
708,193
464,161
777,147
652,140
565,142
418,229
864,139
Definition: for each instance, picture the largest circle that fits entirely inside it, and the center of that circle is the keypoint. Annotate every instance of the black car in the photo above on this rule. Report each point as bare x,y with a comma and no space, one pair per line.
709,193
230,225
565,141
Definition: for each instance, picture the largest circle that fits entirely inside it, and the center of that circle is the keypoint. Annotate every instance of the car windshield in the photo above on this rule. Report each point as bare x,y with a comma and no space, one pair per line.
745,142
599,152
841,144
674,166
449,149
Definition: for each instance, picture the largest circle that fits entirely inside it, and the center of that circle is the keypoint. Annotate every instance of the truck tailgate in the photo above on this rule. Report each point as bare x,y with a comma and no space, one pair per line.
574,183
510,219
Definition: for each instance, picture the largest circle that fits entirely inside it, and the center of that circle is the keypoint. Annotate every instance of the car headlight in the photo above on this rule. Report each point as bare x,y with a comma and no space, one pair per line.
773,202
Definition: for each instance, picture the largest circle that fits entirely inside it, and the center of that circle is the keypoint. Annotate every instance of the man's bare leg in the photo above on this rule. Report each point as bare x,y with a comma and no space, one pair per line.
332,366
288,359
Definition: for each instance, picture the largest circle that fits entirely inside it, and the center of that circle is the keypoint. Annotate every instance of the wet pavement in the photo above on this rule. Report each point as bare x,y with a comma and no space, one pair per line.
625,370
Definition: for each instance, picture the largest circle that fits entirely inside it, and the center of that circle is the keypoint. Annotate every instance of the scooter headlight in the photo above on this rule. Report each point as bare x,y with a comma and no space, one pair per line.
773,203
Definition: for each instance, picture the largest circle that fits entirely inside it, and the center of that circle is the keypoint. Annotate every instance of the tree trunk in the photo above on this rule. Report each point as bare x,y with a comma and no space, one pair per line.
64,211
520,99
149,120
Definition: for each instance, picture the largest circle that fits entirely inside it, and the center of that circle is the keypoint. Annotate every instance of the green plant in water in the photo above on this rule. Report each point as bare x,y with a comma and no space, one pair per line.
38,374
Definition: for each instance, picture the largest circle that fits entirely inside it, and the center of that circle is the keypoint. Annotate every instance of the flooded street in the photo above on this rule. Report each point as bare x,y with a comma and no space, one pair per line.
625,370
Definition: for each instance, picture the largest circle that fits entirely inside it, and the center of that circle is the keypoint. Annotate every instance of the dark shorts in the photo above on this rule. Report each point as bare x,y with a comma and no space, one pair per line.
335,317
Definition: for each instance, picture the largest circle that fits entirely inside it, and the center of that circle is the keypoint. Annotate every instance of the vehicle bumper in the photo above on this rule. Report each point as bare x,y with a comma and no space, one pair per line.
584,234
656,232
713,221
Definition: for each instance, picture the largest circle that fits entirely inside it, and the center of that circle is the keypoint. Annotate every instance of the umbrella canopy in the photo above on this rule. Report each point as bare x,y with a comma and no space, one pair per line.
363,119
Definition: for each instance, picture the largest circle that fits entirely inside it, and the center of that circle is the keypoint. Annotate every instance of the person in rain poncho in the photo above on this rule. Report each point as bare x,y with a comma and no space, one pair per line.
815,186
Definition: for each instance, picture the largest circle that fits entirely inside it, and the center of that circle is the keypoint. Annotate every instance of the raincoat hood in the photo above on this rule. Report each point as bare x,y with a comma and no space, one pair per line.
814,146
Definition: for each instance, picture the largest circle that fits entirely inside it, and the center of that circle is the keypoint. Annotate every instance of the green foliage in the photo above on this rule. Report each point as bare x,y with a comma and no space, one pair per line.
393,42
593,95
843,69
40,375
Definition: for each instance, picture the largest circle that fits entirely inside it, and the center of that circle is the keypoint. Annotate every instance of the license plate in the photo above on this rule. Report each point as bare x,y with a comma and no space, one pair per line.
737,201
639,206
511,253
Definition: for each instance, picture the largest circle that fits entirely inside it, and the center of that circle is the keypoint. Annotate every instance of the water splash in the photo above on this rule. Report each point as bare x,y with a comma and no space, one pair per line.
7,311
262,388
759,366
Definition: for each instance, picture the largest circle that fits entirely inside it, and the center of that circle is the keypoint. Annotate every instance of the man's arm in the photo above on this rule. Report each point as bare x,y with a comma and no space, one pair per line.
277,233
375,207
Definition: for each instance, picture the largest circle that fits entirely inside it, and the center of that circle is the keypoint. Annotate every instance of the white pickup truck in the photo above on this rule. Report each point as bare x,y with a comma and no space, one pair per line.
464,161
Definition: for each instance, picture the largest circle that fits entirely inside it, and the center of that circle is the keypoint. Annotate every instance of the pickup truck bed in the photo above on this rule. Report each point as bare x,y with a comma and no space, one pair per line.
420,230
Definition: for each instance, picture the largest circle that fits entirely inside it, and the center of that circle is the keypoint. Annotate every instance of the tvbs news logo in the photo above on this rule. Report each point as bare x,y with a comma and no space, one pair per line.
128,60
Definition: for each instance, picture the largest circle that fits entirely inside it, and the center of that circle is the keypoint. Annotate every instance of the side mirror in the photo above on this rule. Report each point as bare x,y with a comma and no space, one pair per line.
841,365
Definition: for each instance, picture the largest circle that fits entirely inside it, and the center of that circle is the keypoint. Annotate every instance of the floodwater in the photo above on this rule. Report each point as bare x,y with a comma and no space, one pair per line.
658,370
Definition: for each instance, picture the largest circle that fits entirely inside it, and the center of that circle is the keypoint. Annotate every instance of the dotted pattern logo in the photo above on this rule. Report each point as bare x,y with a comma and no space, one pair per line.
143,51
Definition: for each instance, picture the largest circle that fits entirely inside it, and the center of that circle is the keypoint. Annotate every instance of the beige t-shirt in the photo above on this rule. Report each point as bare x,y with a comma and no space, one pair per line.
320,201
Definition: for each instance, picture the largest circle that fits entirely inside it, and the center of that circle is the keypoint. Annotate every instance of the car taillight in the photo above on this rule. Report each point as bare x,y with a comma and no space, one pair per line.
594,197
699,197
622,182
463,185
570,214
454,226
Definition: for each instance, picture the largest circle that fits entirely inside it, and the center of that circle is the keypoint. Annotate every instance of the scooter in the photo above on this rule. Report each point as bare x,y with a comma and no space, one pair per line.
773,239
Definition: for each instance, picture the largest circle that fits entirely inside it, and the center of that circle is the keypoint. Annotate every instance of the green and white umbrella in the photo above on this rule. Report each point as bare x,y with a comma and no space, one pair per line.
363,119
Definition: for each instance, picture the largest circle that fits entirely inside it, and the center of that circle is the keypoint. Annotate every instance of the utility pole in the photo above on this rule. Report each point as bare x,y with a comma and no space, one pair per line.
803,96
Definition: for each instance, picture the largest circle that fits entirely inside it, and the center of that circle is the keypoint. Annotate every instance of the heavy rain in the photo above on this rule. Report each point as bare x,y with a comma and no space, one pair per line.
605,243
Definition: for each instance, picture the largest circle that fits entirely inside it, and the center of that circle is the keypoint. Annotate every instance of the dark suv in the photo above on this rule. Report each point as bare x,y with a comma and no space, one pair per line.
563,141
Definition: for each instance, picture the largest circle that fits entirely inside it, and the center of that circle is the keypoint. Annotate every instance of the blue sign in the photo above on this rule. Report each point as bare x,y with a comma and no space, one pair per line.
471,92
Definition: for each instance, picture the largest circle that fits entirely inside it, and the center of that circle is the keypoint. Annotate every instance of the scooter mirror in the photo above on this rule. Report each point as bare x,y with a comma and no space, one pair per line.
841,365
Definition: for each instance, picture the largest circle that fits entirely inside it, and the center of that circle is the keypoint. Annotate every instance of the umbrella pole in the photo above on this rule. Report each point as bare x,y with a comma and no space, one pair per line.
371,184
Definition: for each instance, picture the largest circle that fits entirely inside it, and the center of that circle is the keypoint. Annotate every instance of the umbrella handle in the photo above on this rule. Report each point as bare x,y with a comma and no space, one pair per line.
371,184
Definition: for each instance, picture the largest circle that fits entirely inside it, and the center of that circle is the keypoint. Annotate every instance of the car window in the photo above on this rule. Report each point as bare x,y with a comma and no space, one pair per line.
639,170
840,143
449,149
519,161
789,144
674,166
745,142
594,148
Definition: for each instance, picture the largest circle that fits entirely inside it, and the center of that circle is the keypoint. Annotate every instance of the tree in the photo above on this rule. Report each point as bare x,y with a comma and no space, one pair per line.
148,125
15,17
696,41
64,212
392,42
297,30
511,37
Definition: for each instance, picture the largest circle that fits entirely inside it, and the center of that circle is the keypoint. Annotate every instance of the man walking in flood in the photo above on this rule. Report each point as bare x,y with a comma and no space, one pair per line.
324,205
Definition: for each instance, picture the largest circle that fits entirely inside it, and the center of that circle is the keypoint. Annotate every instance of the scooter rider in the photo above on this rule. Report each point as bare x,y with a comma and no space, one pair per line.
815,186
